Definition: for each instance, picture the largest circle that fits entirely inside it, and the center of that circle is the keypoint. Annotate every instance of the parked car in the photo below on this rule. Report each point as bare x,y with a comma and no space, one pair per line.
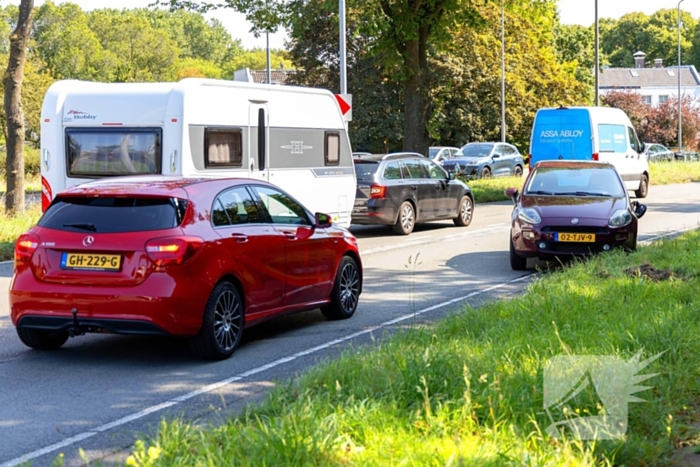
483,160
194,257
440,153
658,153
404,189
571,208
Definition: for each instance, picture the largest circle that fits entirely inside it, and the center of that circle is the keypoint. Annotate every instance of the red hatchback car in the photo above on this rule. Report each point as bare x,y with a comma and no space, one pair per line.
202,258
571,209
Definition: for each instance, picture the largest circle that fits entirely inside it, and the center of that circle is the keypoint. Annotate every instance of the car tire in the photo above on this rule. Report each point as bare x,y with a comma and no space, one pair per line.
643,189
346,291
406,220
485,173
465,212
517,262
41,339
222,324
518,171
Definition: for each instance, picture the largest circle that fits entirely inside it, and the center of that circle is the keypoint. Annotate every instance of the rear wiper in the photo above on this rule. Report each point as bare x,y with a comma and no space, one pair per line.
90,227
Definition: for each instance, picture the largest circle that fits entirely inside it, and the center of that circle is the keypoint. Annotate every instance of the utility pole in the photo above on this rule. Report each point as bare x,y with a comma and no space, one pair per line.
343,64
680,116
503,72
597,57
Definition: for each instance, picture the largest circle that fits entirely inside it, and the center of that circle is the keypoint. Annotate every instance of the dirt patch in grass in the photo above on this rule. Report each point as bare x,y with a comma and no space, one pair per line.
650,272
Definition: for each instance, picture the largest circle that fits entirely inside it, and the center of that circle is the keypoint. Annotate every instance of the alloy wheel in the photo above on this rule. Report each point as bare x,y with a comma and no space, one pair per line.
466,210
407,218
349,287
227,320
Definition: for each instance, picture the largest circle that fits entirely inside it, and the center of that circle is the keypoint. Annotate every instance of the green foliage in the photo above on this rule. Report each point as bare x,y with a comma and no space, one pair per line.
12,227
469,390
256,59
655,35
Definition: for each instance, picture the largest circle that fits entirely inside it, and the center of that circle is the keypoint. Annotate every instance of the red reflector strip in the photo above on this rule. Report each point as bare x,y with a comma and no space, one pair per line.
174,120
47,120
112,124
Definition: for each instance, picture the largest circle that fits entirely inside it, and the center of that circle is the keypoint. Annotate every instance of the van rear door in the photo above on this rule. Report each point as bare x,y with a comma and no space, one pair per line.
561,134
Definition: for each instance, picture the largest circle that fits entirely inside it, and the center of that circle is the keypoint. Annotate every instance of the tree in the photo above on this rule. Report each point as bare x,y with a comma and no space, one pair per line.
405,31
255,59
12,81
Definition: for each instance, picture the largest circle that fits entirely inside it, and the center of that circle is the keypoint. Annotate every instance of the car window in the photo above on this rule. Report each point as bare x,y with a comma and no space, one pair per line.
433,152
434,170
453,152
568,181
281,208
632,138
113,215
392,171
415,168
508,151
366,170
233,207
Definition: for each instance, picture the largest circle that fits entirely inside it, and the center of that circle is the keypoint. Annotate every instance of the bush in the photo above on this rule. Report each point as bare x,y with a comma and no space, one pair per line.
32,162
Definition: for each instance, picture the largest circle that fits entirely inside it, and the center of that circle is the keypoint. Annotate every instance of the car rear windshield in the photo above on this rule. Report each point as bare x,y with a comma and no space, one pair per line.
366,170
100,152
576,181
113,215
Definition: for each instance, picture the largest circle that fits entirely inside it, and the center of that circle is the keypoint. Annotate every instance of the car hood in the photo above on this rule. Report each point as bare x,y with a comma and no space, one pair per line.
465,160
591,207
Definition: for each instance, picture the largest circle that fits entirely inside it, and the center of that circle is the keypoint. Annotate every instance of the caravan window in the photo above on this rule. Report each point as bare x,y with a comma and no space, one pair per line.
332,148
100,152
223,147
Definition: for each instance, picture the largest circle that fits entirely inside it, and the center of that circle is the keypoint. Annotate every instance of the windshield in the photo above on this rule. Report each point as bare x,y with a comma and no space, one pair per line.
98,152
366,170
575,182
432,152
475,150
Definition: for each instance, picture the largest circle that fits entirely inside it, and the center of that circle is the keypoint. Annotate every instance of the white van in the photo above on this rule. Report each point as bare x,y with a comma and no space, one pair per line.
591,133
293,137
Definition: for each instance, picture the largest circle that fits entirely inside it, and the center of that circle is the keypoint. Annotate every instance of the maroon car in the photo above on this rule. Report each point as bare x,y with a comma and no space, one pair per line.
571,209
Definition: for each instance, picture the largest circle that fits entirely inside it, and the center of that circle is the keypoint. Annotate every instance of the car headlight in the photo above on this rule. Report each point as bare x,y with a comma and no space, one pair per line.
620,218
529,215
472,162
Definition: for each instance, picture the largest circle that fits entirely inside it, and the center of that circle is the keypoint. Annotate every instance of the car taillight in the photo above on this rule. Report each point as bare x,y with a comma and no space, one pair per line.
25,247
595,156
169,251
377,191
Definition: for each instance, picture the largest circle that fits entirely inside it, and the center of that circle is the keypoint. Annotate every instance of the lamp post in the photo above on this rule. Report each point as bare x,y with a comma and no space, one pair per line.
503,72
597,58
680,116
343,64
269,70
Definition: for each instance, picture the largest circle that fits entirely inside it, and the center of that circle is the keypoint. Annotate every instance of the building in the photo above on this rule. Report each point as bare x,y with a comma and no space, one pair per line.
656,84
279,76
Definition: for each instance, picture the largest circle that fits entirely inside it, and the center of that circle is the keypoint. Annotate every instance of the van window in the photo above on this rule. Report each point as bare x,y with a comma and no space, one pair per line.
633,139
332,148
100,152
223,147
612,138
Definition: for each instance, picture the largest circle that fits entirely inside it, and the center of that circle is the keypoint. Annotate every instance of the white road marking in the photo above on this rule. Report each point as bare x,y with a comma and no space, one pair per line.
211,387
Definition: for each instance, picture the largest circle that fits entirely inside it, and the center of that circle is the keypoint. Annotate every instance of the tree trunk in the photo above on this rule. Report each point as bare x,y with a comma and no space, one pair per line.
415,137
14,194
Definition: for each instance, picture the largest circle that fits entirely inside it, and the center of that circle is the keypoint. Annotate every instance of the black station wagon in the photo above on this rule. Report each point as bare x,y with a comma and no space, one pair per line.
404,189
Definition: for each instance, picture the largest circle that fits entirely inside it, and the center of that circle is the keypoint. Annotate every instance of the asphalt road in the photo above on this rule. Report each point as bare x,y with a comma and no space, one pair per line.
101,391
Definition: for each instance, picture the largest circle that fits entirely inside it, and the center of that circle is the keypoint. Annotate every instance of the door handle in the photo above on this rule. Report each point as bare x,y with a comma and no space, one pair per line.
290,235
413,187
239,237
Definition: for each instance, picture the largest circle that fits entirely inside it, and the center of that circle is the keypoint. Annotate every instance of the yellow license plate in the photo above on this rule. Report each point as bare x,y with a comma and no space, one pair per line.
574,237
91,262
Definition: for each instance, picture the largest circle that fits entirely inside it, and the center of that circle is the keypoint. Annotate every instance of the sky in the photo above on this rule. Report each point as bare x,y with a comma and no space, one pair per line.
571,12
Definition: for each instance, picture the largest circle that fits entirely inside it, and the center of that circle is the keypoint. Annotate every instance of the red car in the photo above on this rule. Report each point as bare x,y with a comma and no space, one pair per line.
571,209
203,258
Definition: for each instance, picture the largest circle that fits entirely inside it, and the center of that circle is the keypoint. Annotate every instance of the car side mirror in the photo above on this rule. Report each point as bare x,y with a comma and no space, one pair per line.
322,220
639,209
512,193
495,156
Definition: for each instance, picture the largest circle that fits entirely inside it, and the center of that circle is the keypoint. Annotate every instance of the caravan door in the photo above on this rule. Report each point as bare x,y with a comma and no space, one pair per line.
259,141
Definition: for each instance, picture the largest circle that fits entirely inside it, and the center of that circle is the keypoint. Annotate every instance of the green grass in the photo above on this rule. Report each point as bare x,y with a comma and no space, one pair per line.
491,189
665,173
12,227
468,390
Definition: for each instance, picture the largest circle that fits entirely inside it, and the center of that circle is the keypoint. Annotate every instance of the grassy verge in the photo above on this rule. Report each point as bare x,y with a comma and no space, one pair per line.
12,227
31,183
491,189
469,390
665,173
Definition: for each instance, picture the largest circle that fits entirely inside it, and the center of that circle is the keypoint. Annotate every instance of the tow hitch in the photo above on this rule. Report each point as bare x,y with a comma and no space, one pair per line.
75,329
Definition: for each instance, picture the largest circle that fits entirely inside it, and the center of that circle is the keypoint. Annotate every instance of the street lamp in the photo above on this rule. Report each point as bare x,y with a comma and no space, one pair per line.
342,52
503,72
680,117
597,58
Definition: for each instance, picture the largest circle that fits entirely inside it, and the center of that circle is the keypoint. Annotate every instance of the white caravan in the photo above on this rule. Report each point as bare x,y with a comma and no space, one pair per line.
293,137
